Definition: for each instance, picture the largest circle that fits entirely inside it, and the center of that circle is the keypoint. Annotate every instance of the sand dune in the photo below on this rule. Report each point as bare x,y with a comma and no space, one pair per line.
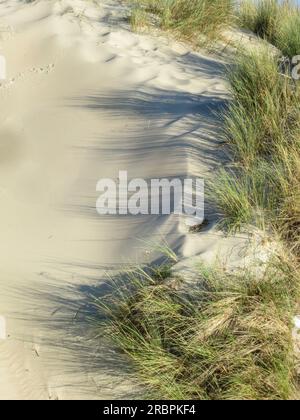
84,98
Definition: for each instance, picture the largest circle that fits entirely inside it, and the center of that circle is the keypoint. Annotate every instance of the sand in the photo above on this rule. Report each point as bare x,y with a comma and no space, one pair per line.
85,98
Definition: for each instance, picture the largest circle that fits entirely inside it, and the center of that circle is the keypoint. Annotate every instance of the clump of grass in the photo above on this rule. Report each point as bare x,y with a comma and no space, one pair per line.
265,196
288,34
262,17
193,20
262,128
227,338
247,198
275,21
200,16
288,220
138,19
265,111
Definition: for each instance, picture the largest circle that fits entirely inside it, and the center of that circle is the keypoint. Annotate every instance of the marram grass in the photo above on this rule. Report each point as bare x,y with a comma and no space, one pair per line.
197,21
227,337
278,22
262,131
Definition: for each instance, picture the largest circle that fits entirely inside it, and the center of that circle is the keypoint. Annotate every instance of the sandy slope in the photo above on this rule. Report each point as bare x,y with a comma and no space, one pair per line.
85,98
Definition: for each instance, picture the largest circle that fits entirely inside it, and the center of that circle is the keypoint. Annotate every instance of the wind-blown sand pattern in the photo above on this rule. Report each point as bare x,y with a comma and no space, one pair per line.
84,98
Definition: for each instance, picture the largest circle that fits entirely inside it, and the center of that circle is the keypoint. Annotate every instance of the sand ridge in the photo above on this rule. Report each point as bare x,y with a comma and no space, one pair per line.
84,98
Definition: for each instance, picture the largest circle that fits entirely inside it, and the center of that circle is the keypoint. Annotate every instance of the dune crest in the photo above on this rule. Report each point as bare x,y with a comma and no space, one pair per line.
83,99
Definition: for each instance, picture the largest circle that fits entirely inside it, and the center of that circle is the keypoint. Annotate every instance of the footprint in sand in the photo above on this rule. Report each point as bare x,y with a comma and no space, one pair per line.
45,69
6,84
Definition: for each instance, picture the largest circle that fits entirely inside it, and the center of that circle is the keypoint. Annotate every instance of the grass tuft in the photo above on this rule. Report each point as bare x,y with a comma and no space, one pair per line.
262,128
288,35
227,338
261,17
197,21
275,21
139,19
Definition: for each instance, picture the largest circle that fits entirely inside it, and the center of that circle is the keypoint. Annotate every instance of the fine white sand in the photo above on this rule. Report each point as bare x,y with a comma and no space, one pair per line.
84,98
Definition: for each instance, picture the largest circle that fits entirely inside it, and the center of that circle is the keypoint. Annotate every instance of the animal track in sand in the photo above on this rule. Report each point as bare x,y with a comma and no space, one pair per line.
45,69
6,84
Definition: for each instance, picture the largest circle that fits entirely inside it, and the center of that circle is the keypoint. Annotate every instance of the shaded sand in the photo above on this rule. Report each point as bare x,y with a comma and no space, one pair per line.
85,98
